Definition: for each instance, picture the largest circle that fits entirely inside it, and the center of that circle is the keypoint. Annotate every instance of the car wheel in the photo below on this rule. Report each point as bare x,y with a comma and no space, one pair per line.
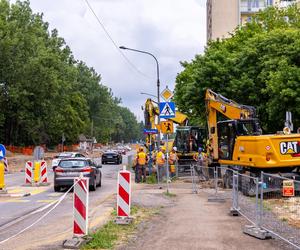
94,186
56,188
103,162
120,161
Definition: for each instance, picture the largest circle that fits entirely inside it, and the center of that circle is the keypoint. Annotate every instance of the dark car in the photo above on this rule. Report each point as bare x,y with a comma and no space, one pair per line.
70,168
111,157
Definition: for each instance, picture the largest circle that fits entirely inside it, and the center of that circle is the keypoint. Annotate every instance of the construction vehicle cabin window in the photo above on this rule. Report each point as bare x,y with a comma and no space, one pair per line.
248,127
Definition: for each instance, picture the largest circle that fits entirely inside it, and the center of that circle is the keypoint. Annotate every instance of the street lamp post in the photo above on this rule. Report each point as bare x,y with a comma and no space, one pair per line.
158,83
143,93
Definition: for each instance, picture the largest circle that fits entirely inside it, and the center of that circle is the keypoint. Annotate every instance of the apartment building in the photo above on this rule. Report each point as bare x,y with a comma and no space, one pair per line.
223,16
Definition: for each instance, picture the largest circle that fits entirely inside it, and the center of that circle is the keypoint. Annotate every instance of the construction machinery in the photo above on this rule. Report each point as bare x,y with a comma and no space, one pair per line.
236,140
187,139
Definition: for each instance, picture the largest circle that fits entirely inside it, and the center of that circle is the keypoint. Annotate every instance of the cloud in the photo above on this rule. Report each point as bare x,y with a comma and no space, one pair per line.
173,30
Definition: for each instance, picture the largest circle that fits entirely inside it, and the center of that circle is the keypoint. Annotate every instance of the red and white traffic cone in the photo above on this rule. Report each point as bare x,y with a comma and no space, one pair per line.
28,172
43,175
124,197
81,204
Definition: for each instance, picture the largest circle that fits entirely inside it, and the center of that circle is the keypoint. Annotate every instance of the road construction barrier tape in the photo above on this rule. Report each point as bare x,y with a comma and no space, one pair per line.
43,175
28,172
2,180
54,203
124,193
5,164
81,202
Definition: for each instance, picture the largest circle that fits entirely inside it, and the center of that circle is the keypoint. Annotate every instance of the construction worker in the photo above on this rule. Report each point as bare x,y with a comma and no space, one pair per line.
199,156
160,162
142,160
172,161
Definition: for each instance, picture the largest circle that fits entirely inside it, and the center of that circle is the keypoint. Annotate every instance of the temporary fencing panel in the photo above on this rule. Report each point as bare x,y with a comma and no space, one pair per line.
81,194
280,215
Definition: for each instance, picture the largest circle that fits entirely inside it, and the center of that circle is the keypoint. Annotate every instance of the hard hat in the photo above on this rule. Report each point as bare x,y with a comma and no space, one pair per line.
141,149
175,148
163,148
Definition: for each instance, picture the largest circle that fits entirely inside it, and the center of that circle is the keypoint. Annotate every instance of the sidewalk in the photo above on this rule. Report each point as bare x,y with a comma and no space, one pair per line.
189,221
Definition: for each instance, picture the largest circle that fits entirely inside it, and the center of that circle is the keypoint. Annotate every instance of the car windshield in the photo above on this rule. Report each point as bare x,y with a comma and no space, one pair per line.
65,155
72,164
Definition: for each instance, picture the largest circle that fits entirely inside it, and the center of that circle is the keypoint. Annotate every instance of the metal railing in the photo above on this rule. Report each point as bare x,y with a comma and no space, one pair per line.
259,199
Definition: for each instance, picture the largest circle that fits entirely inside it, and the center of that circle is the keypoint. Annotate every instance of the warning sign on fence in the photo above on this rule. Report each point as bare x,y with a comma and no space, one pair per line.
288,188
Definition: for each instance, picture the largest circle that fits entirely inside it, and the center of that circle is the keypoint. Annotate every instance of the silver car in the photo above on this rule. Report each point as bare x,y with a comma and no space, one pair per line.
64,155
70,168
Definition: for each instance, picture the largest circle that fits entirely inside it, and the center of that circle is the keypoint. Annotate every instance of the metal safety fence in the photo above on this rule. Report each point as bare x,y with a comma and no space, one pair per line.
280,207
259,199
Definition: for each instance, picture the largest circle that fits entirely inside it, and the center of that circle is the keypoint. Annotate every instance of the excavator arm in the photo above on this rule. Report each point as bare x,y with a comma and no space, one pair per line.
216,103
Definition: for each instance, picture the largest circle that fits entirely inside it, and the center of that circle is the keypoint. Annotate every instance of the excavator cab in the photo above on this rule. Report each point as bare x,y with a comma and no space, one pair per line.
230,129
189,139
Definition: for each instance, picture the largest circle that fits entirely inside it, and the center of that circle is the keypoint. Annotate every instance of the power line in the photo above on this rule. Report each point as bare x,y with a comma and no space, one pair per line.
112,40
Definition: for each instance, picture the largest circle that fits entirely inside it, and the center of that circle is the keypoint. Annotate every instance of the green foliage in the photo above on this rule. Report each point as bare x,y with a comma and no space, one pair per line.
45,92
258,66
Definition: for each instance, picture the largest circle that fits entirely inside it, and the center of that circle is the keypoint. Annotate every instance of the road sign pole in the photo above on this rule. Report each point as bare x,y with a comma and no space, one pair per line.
2,179
150,156
167,170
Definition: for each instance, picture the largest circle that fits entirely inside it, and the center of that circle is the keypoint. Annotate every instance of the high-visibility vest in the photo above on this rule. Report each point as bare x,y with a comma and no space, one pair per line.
141,158
173,157
160,159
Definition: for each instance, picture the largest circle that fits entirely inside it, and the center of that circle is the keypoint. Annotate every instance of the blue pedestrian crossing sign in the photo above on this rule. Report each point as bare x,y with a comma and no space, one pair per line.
2,151
167,110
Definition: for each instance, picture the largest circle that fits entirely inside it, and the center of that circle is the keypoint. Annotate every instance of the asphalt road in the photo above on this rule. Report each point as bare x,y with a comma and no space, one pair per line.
18,213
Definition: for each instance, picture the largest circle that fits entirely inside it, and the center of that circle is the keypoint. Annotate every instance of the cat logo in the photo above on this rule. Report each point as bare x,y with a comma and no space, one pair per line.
289,147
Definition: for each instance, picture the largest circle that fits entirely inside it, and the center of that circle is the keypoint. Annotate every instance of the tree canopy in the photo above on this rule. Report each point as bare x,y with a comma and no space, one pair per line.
258,65
45,92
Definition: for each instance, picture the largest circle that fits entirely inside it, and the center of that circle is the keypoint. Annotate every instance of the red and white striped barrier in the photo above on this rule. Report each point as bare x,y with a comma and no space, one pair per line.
5,164
81,203
124,194
43,172
28,172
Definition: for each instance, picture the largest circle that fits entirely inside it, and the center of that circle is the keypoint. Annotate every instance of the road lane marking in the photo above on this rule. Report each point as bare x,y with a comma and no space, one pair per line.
55,194
45,201
14,200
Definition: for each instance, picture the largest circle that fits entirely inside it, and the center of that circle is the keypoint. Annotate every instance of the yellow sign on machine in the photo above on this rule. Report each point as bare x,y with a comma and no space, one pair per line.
167,127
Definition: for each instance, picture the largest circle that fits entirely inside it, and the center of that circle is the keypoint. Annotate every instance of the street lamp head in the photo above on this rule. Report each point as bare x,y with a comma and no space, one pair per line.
122,47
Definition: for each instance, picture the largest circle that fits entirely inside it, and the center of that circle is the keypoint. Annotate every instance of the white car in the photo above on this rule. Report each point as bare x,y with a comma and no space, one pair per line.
63,155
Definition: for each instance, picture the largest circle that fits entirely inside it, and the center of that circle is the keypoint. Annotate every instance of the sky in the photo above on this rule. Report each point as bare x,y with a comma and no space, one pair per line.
172,30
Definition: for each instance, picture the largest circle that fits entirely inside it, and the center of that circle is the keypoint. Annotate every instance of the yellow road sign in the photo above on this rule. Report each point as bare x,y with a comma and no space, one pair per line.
167,127
166,94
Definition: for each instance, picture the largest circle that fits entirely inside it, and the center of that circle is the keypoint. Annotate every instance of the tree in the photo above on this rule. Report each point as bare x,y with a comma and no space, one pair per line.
258,66
45,92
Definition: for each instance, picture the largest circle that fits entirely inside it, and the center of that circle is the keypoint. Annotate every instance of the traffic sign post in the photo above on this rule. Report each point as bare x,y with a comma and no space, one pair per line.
150,131
167,110
166,94
2,151
38,153
167,127
2,169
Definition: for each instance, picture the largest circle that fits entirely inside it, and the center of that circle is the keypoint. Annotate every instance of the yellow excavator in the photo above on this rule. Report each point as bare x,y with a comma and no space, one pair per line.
187,138
237,140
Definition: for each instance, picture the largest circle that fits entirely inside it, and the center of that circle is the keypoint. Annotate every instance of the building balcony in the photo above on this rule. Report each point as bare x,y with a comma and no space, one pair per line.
285,4
252,6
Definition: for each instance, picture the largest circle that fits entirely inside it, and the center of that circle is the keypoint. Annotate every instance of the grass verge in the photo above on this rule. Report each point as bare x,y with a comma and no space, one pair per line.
151,179
171,195
111,234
